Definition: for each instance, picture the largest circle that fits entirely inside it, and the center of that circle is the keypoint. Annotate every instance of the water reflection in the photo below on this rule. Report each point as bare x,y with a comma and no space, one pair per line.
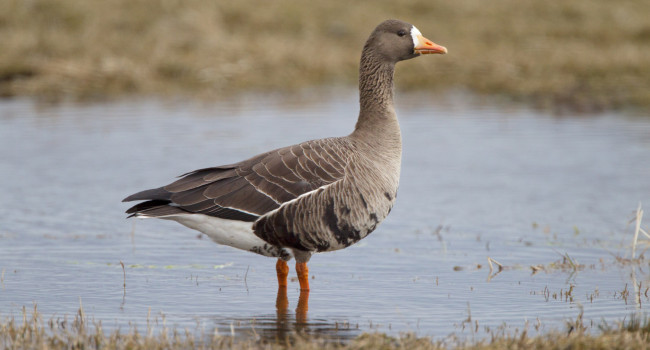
282,306
287,323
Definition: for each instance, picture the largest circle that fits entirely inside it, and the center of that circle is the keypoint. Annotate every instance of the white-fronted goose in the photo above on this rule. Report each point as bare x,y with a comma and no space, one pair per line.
317,196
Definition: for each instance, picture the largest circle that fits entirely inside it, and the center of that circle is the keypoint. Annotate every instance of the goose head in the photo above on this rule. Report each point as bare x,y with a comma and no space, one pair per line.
394,40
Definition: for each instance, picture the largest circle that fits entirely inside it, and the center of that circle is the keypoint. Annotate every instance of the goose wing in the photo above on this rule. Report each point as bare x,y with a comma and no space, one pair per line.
251,188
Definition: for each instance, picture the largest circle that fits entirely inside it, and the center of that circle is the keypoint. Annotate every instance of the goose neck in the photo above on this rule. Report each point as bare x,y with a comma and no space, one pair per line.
376,113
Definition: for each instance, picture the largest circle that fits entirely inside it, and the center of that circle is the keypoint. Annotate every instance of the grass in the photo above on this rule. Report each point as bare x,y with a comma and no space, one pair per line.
31,332
582,55
638,217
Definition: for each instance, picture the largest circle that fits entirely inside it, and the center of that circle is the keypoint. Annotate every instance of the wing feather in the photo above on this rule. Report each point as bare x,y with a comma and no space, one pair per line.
199,178
223,187
251,188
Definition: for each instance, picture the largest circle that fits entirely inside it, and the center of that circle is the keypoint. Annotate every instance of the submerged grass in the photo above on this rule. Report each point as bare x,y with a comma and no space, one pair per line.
581,54
31,332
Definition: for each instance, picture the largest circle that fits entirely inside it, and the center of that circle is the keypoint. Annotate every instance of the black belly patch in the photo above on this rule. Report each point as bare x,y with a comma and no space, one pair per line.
322,246
274,231
344,234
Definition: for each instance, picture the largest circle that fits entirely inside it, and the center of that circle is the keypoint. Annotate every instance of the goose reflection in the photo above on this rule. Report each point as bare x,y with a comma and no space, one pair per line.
288,322
282,307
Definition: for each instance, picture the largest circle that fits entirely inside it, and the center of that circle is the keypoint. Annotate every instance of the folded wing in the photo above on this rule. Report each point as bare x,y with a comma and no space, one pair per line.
249,189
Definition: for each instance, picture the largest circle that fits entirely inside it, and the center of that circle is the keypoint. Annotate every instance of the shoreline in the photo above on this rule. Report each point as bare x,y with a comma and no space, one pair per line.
79,331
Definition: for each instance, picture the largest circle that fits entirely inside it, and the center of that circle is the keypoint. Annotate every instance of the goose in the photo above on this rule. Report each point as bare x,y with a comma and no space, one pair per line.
316,196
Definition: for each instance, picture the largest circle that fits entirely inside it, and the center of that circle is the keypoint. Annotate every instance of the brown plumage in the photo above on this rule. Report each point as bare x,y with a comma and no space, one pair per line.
316,196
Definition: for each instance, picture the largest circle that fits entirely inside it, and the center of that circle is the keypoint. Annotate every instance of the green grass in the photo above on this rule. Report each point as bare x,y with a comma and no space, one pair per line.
580,54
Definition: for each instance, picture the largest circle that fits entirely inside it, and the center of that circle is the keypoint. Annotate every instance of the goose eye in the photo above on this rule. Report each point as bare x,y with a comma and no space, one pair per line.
401,33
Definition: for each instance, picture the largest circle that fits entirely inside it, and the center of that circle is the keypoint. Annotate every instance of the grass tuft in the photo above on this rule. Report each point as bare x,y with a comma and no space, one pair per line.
638,218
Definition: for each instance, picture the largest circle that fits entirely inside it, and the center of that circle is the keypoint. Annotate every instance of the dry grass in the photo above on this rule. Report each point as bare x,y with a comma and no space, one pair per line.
638,218
31,332
581,54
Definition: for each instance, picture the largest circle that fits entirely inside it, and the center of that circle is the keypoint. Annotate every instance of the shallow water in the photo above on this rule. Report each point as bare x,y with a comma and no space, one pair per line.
522,187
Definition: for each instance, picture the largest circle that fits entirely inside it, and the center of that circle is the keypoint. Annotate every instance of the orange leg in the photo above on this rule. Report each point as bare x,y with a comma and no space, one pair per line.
282,269
303,276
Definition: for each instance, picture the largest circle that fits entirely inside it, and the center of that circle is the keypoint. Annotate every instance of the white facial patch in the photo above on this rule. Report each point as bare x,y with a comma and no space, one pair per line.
414,34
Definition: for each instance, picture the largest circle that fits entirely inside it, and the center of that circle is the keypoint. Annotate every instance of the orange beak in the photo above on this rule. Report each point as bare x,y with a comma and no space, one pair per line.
426,46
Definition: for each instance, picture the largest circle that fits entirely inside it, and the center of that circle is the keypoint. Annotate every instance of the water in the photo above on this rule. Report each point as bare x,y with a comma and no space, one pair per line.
519,186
